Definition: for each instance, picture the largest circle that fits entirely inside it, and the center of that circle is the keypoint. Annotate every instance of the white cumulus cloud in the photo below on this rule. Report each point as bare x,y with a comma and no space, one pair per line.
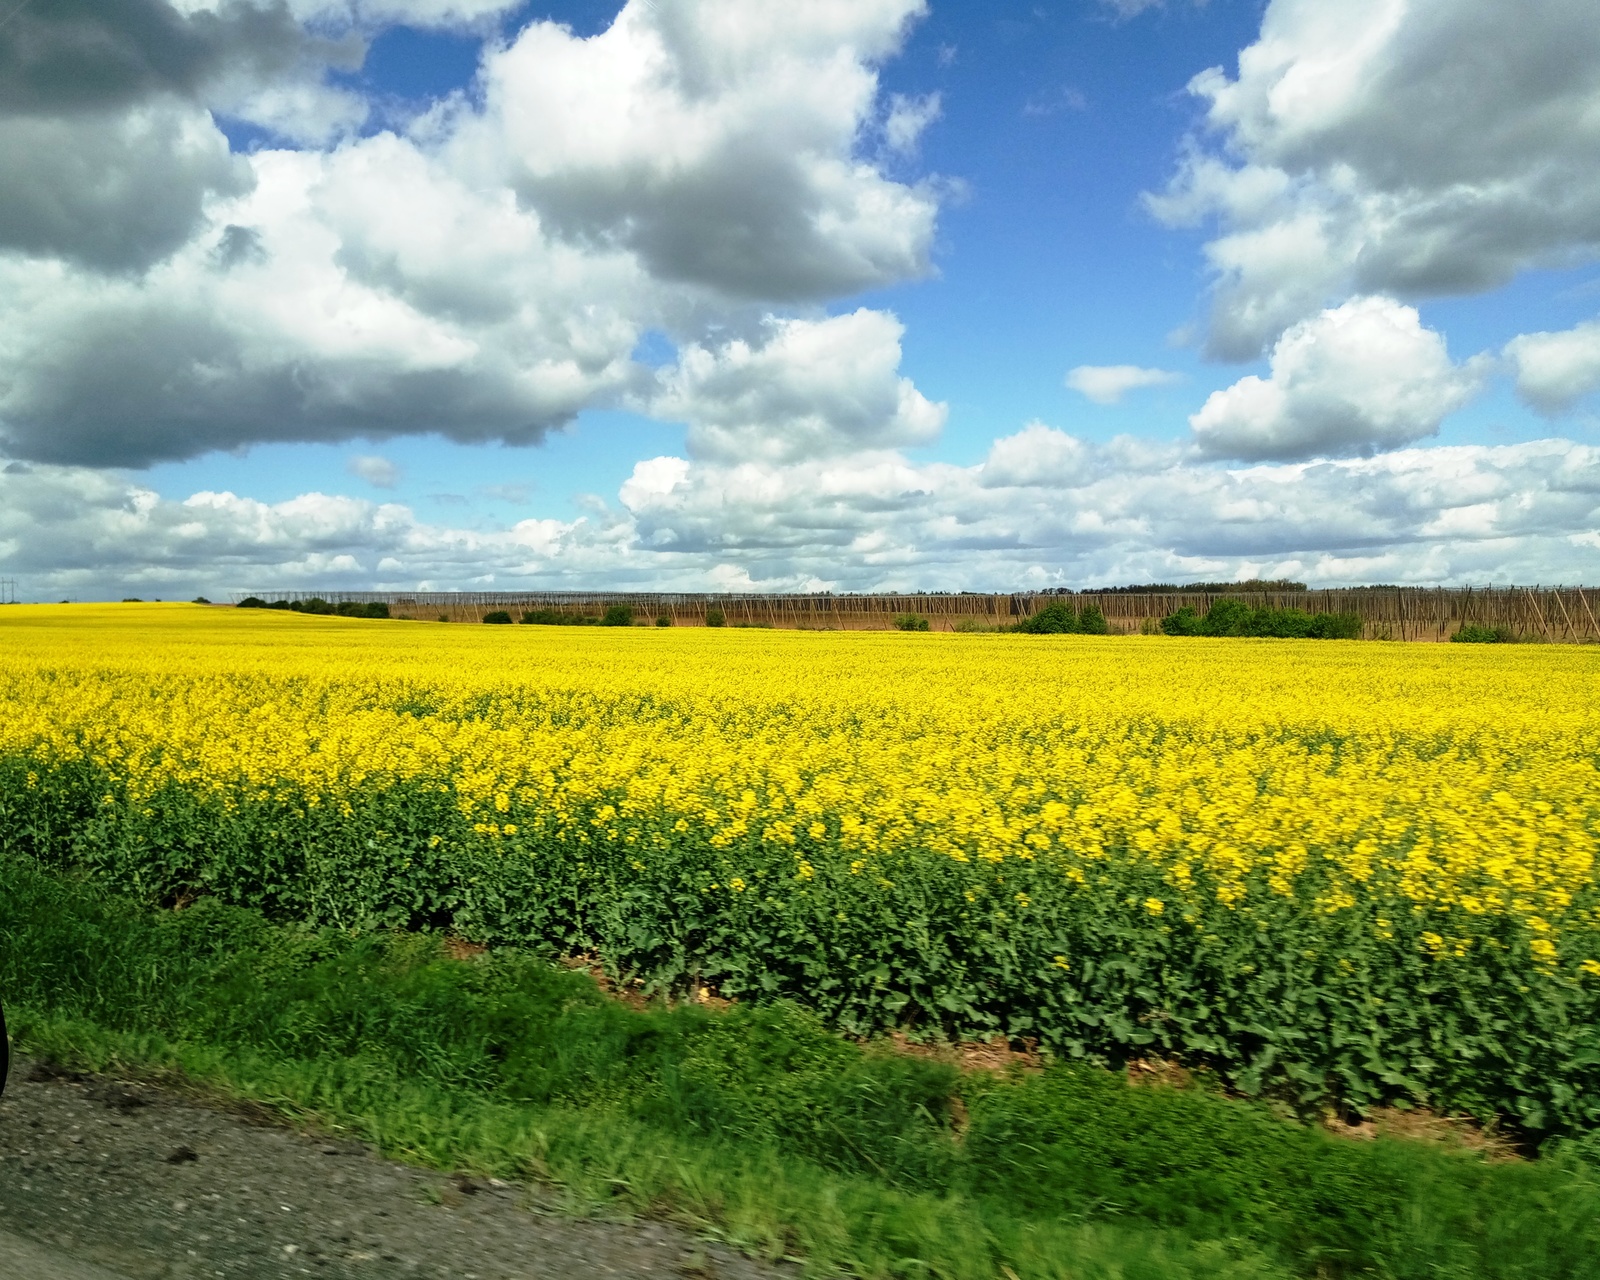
1556,370
1407,147
484,274
1108,383
1358,378
805,389
1043,508
713,138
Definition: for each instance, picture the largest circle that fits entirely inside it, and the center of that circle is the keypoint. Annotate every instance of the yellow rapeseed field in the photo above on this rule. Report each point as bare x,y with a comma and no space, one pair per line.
734,803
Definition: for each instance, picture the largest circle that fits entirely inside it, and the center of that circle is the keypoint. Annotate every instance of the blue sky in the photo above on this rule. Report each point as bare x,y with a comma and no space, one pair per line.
393,311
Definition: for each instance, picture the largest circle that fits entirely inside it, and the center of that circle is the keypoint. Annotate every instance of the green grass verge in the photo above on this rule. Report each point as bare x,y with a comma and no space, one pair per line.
757,1124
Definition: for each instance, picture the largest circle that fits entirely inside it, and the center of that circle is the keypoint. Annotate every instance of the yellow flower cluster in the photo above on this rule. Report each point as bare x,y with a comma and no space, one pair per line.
1451,782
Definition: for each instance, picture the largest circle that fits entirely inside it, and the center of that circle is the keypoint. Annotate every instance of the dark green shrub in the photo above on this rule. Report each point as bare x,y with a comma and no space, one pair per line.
1092,622
1185,622
1236,618
714,618
555,618
910,622
278,604
376,609
1336,626
664,620
618,615
1476,633
251,602
1227,618
498,618
1057,619
315,605
350,609
200,600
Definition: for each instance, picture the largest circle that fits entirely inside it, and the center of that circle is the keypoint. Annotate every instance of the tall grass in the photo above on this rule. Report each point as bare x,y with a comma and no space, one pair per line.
756,1123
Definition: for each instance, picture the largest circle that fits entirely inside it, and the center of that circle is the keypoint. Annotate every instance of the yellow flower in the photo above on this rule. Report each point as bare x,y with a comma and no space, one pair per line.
1248,778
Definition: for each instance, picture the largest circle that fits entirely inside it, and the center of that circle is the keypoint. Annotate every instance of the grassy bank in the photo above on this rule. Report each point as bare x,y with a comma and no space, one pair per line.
756,1123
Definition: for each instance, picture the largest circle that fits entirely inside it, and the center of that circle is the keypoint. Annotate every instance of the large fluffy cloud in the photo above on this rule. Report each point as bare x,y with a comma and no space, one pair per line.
810,389
1556,370
1355,379
1043,508
717,140
93,55
1410,147
365,292
115,191
109,150
484,274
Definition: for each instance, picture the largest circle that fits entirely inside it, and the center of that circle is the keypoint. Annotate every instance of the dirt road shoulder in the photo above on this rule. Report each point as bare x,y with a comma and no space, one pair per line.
150,1186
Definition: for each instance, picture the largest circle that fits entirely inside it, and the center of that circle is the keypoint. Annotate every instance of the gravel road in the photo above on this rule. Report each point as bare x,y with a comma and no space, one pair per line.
101,1180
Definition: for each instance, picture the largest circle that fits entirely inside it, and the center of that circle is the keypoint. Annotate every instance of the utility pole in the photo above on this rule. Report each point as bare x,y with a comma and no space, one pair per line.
8,591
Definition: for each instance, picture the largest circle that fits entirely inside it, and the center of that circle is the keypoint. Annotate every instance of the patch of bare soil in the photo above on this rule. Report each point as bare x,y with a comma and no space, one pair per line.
627,993
998,1055
149,1185
1161,1071
1419,1125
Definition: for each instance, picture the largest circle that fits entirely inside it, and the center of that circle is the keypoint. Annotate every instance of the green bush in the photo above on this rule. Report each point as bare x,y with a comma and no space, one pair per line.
910,622
664,620
1055,619
556,618
715,618
1476,633
1229,617
1185,622
498,618
1092,622
317,605
618,615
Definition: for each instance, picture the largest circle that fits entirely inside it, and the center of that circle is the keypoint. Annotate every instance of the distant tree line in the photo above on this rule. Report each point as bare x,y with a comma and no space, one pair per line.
344,609
1201,588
